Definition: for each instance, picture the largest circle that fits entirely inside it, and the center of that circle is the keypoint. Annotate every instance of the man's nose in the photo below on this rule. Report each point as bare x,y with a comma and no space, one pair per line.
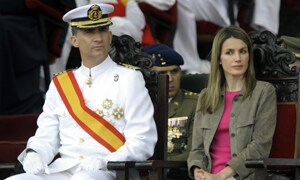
97,35
170,76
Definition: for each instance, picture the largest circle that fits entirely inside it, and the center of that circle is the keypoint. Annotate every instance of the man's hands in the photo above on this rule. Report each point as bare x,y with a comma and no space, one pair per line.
94,163
33,163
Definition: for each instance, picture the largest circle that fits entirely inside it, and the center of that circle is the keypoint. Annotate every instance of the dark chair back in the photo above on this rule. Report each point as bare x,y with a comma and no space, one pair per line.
274,64
194,82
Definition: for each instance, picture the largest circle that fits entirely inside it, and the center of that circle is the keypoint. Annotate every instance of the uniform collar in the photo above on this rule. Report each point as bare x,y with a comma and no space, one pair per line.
97,70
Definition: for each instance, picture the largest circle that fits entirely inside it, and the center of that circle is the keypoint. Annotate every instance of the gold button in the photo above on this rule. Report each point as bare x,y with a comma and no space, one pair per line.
81,157
81,140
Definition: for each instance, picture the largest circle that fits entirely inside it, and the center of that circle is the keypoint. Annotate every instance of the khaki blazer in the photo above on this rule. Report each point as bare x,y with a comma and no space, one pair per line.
251,128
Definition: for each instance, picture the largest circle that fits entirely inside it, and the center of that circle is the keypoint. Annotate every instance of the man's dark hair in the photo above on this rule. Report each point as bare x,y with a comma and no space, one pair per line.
74,30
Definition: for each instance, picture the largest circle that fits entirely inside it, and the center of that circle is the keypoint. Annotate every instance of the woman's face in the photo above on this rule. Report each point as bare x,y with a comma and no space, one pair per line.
234,57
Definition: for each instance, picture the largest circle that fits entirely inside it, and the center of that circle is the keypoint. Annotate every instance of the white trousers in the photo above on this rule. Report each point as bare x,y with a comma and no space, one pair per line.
81,175
266,16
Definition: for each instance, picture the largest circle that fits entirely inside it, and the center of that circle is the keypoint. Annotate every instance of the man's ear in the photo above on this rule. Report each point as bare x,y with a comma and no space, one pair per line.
74,41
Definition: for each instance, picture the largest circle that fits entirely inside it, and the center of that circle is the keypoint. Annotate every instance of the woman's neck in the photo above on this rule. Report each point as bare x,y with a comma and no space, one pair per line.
233,85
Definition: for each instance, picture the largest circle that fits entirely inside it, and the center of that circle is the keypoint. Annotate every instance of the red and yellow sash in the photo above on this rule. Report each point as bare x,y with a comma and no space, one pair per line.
92,123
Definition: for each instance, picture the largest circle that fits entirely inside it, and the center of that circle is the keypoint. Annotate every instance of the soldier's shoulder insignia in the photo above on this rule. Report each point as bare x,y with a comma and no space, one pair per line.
189,93
59,73
129,66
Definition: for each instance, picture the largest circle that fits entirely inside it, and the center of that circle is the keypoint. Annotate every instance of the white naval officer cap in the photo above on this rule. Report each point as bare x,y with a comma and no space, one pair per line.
89,16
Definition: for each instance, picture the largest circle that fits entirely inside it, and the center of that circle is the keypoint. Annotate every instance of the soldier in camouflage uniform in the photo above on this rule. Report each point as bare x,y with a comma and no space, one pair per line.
182,103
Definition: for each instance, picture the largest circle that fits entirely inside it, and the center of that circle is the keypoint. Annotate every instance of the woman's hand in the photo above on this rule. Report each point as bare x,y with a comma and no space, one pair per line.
209,176
199,174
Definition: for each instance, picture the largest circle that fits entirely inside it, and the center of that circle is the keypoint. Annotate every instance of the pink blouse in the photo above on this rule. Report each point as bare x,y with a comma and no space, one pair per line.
220,147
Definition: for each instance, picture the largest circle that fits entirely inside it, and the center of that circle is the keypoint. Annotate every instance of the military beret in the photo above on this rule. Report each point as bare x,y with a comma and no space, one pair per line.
163,55
89,16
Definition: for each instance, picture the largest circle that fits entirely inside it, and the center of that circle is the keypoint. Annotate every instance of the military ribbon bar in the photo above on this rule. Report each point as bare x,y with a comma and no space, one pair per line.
177,121
101,130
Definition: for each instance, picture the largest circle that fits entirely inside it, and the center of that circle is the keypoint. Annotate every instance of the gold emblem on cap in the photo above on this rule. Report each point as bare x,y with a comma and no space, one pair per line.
94,13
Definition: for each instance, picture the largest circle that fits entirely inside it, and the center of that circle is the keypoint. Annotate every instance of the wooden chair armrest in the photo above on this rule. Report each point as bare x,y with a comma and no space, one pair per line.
261,166
264,163
120,165
148,165
121,168
7,166
154,167
155,164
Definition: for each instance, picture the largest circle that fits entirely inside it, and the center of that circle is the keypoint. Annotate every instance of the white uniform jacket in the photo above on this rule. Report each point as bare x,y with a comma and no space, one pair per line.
112,85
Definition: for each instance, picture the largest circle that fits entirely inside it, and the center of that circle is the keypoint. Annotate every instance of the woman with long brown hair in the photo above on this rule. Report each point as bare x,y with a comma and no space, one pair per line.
235,115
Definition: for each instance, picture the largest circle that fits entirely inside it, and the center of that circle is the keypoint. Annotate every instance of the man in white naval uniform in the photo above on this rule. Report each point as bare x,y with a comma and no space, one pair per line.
97,113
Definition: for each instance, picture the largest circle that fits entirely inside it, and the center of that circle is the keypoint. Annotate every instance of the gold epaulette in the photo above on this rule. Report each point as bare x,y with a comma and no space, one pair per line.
189,93
62,72
130,66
